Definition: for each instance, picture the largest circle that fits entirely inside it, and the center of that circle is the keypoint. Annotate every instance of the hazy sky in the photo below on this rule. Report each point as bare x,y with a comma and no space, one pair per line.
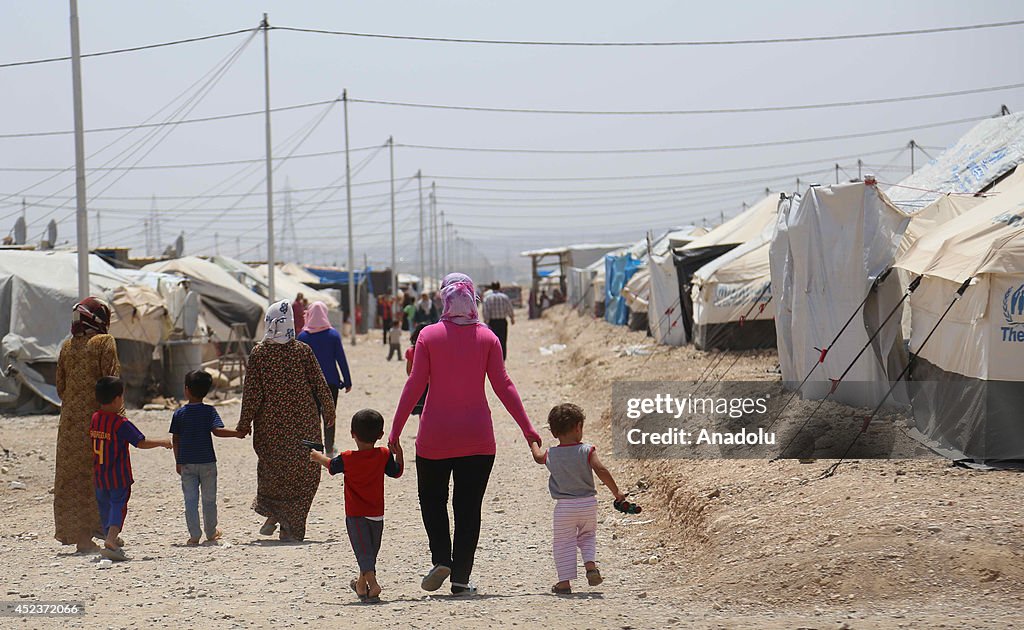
500,216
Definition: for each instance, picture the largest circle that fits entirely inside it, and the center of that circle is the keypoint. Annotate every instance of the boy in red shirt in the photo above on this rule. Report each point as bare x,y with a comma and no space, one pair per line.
111,433
364,470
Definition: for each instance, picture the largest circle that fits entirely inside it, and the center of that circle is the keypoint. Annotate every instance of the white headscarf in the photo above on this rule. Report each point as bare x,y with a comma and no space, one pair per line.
280,323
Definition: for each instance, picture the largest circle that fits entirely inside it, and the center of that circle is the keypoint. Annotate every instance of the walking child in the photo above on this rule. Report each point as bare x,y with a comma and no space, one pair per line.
195,461
364,470
572,465
395,340
111,433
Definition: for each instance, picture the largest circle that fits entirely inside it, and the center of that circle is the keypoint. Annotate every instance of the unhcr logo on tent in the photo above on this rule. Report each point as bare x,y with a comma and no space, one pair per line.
1013,313
1011,219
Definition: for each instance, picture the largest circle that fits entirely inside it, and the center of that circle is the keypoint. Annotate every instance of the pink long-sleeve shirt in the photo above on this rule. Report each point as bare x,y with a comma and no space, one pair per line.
456,421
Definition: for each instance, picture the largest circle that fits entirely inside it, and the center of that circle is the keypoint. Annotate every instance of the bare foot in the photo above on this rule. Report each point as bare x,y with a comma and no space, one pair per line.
216,535
373,589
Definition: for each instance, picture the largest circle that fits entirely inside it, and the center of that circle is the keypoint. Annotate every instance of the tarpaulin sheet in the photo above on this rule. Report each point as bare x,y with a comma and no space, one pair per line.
618,271
839,239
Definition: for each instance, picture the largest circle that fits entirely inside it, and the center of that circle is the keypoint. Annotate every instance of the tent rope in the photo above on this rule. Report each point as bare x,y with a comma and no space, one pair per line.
835,382
831,470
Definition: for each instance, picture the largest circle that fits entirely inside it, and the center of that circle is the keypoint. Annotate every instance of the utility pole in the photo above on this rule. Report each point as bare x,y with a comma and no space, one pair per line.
444,246
394,265
433,231
81,218
913,145
351,246
265,25
423,277
860,164
837,172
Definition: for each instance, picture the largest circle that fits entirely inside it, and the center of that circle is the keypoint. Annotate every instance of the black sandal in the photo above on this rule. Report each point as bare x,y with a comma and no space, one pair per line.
362,596
561,590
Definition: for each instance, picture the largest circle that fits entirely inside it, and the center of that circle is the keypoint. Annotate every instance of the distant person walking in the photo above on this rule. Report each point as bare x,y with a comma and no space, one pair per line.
426,313
283,398
299,311
395,341
455,440
386,306
330,354
498,312
89,354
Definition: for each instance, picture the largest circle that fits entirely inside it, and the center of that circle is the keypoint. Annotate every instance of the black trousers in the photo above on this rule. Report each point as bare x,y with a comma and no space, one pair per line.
329,430
386,323
470,475
500,328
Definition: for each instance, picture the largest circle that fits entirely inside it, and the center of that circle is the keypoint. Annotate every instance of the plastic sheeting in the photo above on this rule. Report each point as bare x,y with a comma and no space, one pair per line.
37,293
989,151
224,300
618,271
779,259
665,313
839,238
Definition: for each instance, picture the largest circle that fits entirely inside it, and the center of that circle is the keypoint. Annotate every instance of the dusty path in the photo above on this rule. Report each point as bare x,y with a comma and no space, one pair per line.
720,544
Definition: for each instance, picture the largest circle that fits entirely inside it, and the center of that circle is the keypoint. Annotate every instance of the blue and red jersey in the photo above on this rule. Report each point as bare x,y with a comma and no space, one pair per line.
111,434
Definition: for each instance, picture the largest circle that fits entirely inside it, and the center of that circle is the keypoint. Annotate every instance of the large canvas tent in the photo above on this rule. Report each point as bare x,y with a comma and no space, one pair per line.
834,243
37,293
285,286
732,300
638,290
224,301
969,378
986,154
671,294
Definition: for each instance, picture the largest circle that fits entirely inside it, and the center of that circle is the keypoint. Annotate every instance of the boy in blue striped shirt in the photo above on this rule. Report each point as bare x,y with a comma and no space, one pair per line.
192,427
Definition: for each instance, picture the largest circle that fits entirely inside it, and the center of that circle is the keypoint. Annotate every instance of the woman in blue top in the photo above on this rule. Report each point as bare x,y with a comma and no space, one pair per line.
325,341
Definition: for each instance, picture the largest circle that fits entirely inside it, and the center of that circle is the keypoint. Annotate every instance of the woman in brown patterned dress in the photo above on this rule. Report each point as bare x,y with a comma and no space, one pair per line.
282,397
89,354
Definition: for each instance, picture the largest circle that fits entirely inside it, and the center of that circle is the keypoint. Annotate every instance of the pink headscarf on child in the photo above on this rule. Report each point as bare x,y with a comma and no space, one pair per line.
459,299
316,318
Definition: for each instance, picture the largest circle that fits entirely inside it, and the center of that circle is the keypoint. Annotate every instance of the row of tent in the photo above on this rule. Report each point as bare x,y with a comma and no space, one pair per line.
154,312
791,271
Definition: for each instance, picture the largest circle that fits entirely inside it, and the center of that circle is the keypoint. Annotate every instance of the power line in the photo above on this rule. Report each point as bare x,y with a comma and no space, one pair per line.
119,51
721,147
518,110
721,42
691,112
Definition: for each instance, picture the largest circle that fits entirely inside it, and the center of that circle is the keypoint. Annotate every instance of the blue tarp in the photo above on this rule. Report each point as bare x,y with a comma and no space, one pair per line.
338,276
617,272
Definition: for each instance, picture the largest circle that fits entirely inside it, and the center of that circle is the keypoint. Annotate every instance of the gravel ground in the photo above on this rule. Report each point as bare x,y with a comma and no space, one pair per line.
720,544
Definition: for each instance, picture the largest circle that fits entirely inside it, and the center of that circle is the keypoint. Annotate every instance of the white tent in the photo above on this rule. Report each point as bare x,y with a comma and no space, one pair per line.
667,297
969,378
745,226
638,290
839,238
989,151
285,286
224,300
38,291
732,299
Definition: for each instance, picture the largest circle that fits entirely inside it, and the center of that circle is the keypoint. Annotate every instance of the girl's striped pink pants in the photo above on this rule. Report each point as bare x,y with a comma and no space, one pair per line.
574,525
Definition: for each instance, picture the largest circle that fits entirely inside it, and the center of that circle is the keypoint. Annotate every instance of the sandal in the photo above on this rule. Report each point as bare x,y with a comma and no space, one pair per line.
463,590
217,534
594,576
561,590
268,528
362,596
192,542
117,555
435,577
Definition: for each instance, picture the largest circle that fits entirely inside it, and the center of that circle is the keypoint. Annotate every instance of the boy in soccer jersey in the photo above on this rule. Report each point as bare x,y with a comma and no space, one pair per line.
111,434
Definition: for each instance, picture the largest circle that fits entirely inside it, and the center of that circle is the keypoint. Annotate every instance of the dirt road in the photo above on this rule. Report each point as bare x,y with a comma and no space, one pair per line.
725,545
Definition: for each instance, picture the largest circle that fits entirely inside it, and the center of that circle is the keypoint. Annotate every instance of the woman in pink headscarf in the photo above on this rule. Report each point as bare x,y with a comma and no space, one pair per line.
325,341
456,437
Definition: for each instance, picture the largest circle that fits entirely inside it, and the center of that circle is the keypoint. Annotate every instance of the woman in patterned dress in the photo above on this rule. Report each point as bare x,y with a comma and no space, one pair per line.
90,353
282,397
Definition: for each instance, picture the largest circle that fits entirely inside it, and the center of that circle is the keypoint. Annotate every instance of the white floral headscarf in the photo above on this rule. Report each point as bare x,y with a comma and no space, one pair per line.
280,323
